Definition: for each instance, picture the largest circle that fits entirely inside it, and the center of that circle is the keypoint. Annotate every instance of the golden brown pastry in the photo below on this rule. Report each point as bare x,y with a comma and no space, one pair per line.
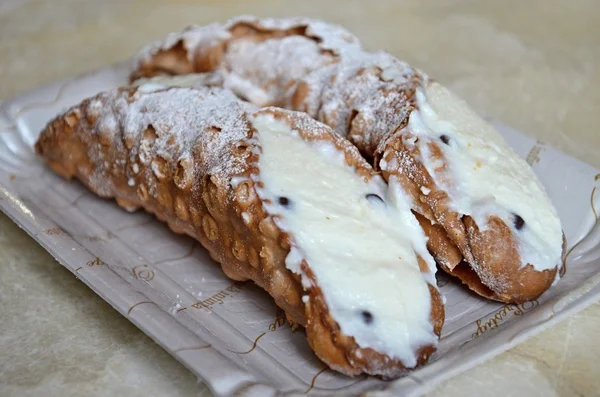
277,198
487,216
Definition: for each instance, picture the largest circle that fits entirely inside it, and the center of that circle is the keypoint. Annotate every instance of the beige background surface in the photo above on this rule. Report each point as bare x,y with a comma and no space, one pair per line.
531,64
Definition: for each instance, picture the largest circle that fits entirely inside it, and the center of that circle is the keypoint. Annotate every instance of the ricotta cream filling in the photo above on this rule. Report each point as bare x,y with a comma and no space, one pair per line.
487,176
358,237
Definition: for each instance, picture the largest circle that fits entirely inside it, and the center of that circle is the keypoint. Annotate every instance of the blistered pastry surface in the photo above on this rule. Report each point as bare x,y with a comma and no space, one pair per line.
190,157
370,98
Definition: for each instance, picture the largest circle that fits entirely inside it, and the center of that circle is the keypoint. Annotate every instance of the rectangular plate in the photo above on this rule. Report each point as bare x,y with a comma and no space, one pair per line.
231,334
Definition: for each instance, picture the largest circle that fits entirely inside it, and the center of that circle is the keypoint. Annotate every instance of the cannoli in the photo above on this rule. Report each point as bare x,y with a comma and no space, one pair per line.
277,198
488,218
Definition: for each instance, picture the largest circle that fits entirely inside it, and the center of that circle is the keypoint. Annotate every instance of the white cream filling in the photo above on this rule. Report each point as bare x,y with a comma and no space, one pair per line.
361,251
487,176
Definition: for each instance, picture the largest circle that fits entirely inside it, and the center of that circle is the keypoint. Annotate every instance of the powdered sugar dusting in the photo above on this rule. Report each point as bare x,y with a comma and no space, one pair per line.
272,66
192,80
368,98
342,80
168,126
191,37
329,37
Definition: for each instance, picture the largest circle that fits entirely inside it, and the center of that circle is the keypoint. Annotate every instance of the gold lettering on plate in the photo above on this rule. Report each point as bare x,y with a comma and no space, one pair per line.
501,315
142,272
184,349
314,379
279,320
136,305
253,345
533,156
95,262
56,231
218,298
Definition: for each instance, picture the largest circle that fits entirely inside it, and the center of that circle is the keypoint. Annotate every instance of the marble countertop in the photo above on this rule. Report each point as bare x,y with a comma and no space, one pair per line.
533,65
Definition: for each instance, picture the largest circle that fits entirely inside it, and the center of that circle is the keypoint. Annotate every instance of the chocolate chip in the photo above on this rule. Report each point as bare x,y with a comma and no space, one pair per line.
367,317
284,201
374,198
519,222
445,139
